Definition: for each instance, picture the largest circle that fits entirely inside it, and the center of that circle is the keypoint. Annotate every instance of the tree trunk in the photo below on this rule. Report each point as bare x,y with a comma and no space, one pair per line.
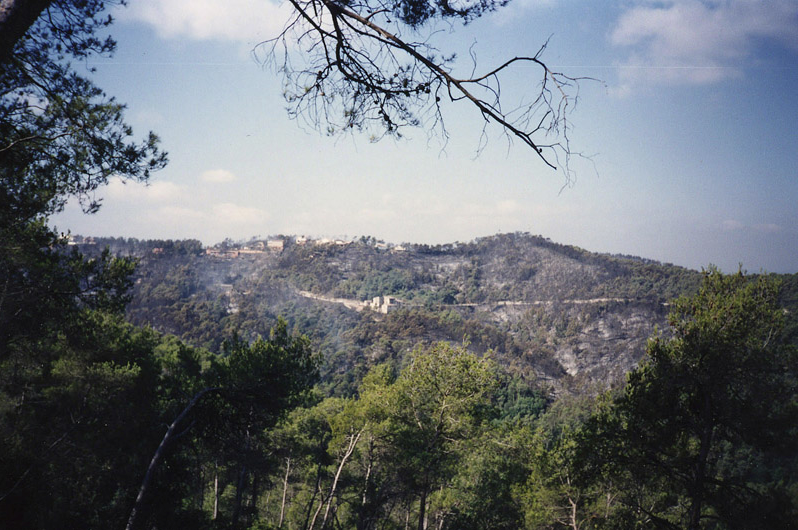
156,458
368,472
574,523
242,475
313,498
366,484
699,478
215,491
201,487
285,491
353,439
253,511
318,510
422,509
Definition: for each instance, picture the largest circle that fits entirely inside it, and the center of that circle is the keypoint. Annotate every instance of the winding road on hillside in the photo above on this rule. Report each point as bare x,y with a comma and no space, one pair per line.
359,305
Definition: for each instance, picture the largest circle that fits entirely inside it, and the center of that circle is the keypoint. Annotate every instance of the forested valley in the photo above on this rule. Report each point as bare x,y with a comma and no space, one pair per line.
513,383
505,382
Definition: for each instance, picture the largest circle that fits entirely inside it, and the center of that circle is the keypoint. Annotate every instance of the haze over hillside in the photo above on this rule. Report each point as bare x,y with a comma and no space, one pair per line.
556,314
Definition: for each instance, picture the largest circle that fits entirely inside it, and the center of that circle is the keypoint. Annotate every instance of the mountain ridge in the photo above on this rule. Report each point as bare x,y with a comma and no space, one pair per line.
557,315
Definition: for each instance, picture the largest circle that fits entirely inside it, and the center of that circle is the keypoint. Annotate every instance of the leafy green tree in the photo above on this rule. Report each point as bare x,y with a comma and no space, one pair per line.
482,493
704,422
364,490
80,391
261,382
62,136
73,403
405,447
76,384
335,449
559,491
439,401
241,395
45,286
301,442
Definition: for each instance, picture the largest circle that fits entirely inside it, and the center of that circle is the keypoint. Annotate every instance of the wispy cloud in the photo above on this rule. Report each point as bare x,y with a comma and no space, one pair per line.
156,192
234,215
518,8
167,210
699,42
245,21
218,176
732,225
768,228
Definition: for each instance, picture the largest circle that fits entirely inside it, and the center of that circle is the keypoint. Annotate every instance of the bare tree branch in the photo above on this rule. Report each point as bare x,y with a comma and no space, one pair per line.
356,74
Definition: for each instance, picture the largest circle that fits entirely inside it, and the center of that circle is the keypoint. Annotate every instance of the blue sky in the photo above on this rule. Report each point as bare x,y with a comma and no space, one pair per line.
691,128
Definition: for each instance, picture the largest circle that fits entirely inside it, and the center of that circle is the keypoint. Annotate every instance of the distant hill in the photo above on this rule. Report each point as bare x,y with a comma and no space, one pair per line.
556,315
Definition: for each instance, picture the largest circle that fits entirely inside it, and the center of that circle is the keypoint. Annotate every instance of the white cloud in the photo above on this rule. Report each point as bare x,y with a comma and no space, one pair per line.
247,21
699,42
519,8
229,214
172,215
217,176
158,191
508,206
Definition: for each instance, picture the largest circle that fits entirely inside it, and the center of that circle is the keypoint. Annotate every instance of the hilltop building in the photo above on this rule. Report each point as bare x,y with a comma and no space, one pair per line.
384,304
275,245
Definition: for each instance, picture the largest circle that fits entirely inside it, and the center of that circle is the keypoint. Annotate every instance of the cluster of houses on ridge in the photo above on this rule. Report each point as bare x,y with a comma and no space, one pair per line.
227,249
80,240
259,247
277,245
